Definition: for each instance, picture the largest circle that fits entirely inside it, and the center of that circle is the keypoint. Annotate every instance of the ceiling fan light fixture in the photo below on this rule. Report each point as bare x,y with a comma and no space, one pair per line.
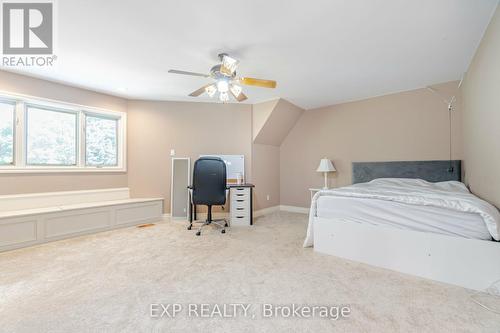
211,90
224,97
224,81
222,86
235,89
230,64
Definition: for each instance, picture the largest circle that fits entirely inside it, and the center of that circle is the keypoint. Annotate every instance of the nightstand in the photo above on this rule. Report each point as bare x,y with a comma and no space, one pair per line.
313,191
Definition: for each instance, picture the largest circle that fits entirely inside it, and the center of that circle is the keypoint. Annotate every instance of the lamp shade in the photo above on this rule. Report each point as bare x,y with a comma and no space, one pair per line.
325,165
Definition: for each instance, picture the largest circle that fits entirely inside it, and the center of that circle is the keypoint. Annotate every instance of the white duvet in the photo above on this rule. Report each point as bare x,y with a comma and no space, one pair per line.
449,195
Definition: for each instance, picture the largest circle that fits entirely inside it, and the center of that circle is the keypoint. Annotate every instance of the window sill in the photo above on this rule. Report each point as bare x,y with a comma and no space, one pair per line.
32,170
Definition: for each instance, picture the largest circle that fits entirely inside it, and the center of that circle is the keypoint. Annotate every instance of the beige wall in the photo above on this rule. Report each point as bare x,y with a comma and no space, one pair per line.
154,128
266,175
410,125
278,124
404,126
271,121
25,183
20,84
481,102
260,114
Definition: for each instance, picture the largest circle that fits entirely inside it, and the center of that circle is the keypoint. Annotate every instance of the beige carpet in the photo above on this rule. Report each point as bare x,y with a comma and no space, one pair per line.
106,283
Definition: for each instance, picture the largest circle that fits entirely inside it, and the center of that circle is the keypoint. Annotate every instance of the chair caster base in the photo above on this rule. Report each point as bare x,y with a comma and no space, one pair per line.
198,233
223,231
226,225
190,227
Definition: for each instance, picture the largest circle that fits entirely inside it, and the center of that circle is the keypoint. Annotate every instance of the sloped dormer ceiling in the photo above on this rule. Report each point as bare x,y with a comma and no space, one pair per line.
273,120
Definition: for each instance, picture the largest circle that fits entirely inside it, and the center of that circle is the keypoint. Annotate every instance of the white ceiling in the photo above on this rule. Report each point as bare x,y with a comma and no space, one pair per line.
321,52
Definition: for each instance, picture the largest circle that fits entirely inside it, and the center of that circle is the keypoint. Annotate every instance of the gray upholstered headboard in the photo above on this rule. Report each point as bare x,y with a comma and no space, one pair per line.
432,171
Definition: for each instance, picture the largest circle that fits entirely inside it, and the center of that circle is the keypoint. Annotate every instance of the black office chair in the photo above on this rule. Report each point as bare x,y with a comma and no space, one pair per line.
209,188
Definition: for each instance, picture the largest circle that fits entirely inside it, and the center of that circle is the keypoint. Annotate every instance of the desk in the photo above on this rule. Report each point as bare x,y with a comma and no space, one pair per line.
240,202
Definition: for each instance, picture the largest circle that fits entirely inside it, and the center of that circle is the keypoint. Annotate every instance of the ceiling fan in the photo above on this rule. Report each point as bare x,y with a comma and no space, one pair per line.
226,81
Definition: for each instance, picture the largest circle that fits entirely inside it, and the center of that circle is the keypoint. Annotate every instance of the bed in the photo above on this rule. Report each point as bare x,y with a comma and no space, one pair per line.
415,217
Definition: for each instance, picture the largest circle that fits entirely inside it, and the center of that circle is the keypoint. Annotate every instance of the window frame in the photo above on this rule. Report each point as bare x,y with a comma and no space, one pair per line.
84,150
49,109
22,102
13,103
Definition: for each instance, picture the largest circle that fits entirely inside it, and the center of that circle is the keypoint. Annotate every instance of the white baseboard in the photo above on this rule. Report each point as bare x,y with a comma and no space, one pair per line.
215,215
265,211
294,209
257,213
199,216
260,212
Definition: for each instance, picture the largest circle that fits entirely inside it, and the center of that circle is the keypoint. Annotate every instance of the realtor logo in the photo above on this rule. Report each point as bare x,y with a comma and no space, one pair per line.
27,28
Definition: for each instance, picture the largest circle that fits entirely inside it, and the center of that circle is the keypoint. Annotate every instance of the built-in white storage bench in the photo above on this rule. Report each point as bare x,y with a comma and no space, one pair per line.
29,219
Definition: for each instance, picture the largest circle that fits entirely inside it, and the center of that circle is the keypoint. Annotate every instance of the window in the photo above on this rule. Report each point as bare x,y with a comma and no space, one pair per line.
39,136
101,136
7,115
51,137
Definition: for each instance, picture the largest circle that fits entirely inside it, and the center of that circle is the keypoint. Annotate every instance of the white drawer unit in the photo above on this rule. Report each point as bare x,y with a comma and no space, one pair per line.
240,202
241,205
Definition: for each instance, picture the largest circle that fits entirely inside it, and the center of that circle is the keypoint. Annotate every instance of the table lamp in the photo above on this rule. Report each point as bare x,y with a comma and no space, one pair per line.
326,166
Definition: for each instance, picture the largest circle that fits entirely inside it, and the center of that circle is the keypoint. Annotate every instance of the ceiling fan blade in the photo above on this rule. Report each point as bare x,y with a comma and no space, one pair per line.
174,71
249,81
240,98
200,91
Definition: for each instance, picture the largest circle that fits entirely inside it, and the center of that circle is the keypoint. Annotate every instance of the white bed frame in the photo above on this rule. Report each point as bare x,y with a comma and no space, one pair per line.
468,263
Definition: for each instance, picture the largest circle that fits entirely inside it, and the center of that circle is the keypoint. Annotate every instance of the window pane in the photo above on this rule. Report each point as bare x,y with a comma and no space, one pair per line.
101,141
7,133
51,137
